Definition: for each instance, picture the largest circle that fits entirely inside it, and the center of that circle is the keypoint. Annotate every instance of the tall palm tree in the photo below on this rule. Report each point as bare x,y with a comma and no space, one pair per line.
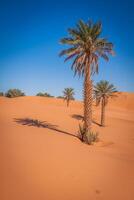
103,90
68,95
86,46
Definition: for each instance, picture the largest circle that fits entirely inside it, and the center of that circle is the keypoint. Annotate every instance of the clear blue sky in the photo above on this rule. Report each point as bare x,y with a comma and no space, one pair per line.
29,43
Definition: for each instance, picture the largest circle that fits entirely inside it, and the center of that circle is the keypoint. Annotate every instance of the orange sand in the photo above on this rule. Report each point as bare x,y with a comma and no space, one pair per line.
46,163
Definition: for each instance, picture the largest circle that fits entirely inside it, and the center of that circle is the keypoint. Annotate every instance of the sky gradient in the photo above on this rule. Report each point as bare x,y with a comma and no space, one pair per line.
29,44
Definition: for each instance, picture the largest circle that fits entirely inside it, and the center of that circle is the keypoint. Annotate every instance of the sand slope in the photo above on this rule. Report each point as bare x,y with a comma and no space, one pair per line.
45,161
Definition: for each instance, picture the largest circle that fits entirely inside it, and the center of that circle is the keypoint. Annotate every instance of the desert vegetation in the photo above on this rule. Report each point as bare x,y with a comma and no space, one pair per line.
11,93
103,90
86,47
1,94
41,94
60,97
90,138
68,95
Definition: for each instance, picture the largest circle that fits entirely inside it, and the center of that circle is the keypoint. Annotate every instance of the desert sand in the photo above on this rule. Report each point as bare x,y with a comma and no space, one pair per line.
44,160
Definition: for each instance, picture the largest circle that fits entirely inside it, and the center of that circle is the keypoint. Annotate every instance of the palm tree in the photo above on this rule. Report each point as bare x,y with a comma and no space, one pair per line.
86,47
103,90
68,95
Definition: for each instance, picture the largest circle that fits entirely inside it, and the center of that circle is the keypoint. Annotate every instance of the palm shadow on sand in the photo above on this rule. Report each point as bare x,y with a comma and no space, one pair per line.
80,117
41,124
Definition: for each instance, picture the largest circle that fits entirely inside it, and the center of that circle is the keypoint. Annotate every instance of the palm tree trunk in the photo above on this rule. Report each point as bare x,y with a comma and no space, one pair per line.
102,113
67,103
87,101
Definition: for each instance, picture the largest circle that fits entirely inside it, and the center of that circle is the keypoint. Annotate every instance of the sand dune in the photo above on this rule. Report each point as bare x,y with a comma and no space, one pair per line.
42,159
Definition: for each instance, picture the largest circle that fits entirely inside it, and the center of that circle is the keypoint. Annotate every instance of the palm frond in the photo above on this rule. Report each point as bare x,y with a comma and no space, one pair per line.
104,90
85,40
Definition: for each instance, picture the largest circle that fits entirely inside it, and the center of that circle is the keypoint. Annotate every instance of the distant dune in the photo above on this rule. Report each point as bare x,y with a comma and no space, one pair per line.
42,158
124,101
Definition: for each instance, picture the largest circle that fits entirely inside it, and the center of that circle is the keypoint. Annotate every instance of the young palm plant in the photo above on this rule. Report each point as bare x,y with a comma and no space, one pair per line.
103,90
86,47
68,95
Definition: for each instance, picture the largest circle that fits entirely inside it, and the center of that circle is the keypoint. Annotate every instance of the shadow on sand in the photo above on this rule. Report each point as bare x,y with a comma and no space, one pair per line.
80,117
40,124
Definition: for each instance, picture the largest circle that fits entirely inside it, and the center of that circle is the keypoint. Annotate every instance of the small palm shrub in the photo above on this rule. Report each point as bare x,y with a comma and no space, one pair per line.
14,93
1,94
81,132
87,137
41,94
92,137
